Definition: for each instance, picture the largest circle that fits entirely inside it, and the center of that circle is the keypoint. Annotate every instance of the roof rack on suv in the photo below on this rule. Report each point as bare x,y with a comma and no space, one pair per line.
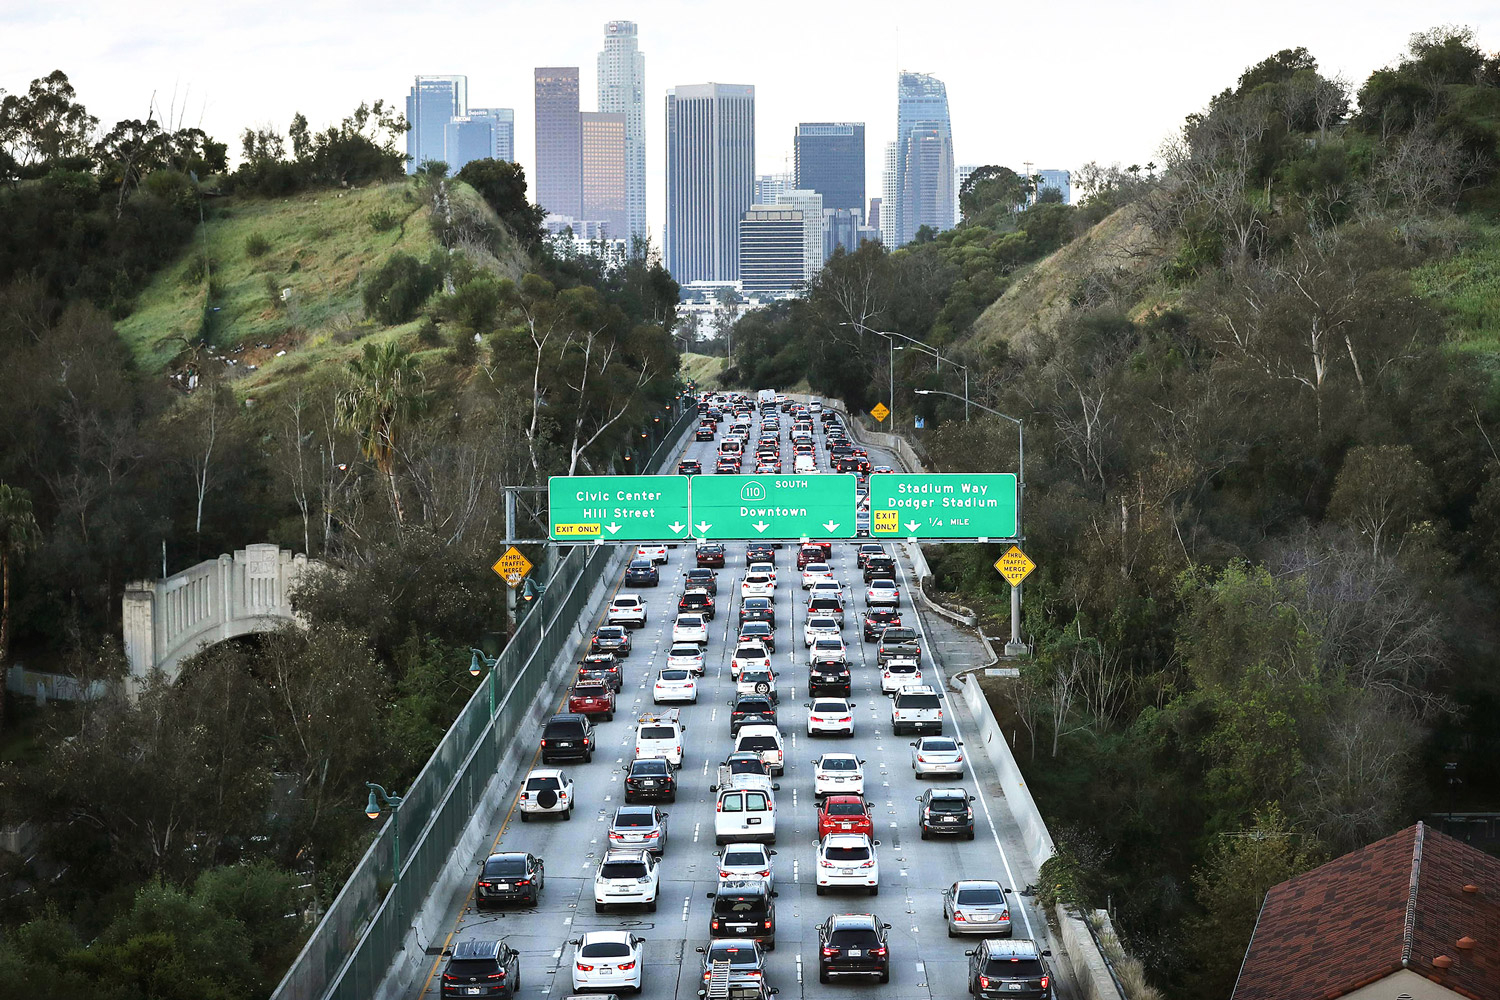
671,717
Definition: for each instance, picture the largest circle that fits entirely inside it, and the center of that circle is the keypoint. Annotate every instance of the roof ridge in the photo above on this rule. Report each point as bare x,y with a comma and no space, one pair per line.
1409,930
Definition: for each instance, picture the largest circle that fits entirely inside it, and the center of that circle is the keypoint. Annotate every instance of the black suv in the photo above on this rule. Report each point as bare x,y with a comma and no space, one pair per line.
568,736
611,639
877,620
689,467
760,552
880,567
482,969
650,778
744,909
828,678
945,810
751,710
1001,968
606,665
702,579
642,573
758,609
505,878
853,944
697,602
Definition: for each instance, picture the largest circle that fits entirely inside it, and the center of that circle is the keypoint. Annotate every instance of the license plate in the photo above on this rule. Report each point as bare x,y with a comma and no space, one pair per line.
1015,986
753,820
855,953
950,819
561,745
472,989
648,784
742,930
846,826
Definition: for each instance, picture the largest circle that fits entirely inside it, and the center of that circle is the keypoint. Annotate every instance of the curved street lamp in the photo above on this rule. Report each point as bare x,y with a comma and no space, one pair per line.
373,810
477,663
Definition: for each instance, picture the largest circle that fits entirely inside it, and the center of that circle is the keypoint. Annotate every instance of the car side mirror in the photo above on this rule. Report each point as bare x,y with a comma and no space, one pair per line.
775,894
1047,952
575,940
806,704
774,990
861,760
710,895
971,798
701,951
911,744
772,853
874,843
971,951
775,786
1009,889
713,788
885,927
960,742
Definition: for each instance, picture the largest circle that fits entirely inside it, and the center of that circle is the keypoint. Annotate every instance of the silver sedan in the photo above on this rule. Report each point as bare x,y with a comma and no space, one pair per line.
937,755
976,906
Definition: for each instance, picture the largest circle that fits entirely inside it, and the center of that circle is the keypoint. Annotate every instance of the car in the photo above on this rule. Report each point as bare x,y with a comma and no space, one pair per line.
745,769
829,678
766,741
815,572
937,755
757,680
691,628
1000,969
830,715
640,827
759,552
768,468
481,968
608,960
710,555
744,909
686,656
513,876
675,684
702,578
601,667
768,568
881,470
659,734
897,674
838,773
865,551
845,814
761,632
879,568
899,635
655,551
642,573
853,944
882,592
593,698
977,906
706,431
848,860
690,466
825,588
746,860
567,736
751,710
628,610
877,620
650,778
546,790
916,709
826,603
819,626
613,639
727,465
809,553
700,601
827,649
743,960
758,585
627,878
749,654
944,811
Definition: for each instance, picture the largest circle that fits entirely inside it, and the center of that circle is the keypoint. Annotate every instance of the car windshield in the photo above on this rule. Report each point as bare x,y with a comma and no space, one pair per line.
846,809
634,819
675,675
1013,968
505,866
857,853
605,949
980,897
840,764
542,784
651,765
657,732
949,805
622,869
743,858
938,746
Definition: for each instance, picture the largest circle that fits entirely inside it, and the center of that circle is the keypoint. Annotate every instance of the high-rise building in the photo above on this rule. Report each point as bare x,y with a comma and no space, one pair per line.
622,90
604,171
1058,180
502,131
810,204
830,158
890,202
927,198
710,178
484,133
844,227
921,102
768,187
772,248
875,211
559,141
432,102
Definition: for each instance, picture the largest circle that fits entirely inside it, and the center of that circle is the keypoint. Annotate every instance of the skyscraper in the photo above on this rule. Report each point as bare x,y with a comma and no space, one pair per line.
890,210
559,141
605,151
432,101
875,213
622,90
710,178
830,158
921,102
484,133
927,197
1058,180
810,203
768,187
772,248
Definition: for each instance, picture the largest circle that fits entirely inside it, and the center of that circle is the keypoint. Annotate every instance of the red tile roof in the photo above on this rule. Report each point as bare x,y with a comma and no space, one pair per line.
1397,904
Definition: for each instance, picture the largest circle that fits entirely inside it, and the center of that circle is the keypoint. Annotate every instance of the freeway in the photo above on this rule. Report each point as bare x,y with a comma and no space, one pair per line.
926,963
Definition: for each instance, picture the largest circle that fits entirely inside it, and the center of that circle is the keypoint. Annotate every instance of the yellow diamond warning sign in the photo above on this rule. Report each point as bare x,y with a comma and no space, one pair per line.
512,566
880,412
1014,565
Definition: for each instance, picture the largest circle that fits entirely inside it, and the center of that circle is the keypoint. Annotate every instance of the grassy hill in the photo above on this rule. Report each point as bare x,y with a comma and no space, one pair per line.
703,369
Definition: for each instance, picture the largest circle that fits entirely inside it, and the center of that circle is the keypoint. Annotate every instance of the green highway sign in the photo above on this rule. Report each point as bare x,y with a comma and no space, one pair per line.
779,507
946,505
617,508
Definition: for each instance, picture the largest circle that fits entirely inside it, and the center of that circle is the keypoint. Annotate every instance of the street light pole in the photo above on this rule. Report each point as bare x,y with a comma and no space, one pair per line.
477,662
372,810
889,335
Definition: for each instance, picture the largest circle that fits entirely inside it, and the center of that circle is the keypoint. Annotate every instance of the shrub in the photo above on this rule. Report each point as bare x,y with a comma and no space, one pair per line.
256,245
395,292
465,350
428,333
383,220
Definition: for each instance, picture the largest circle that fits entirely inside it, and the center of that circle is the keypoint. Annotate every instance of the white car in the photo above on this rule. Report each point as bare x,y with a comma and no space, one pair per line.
757,680
690,628
766,741
898,674
848,859
749,654
814,572
547,790
656,553
820,627
627,878
758,585
686,656
769,569
746,859
628,610
827,647
674,684
608,960
826,588
830,715
838,774
937,755
882,593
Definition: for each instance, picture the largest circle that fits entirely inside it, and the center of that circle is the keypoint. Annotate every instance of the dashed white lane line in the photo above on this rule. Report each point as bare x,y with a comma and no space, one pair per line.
695,832
799,968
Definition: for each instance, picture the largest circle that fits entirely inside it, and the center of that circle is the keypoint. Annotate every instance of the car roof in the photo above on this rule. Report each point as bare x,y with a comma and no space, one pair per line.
1013,947
596,937
476,949
844,799
949,793
742,887
544,772
838,756
917,689
625,854
760,730
838,920
506,856
846,840
636,811
933,739
977,883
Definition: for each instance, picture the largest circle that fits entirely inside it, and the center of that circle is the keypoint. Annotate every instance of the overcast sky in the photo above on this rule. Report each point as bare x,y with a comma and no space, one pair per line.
1055,85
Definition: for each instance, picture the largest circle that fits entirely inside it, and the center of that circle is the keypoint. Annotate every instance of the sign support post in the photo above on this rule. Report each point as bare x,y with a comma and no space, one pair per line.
1015,566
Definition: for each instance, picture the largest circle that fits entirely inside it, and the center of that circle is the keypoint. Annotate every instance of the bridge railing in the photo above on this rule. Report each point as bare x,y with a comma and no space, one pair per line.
351,949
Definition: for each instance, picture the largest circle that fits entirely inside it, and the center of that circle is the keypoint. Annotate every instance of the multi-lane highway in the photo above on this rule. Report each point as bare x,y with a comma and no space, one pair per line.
926,963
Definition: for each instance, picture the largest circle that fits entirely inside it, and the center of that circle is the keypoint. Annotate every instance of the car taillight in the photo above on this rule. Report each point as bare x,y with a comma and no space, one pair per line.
626,967
878,951
958,915
847,718
544,742
715,924
524,881
830,951
984,982
764,874
1045,981
921,759
496,975
653,833
868,864
585,968
1004,914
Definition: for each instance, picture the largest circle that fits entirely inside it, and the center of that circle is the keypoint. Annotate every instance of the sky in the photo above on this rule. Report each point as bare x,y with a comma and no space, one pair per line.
1051,86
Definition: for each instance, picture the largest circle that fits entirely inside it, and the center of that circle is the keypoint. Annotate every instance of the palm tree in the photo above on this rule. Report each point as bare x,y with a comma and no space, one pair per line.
384,391
18,535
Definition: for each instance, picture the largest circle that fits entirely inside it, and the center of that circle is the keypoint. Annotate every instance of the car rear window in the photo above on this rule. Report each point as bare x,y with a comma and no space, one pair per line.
605,949
657,732
622,869
542,784
690,621
757,743
563,729
829,706
472,966
747,766
839,764
854,937
845,809
740,858
901,667
980,897
827,644
749,653
949,805
757,602
739,906
675,675
640,564
939,746
634,819
1013,968
505,866
651,765
918,701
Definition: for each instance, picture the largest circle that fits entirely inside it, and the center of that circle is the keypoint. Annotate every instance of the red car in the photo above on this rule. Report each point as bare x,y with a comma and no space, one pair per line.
845,814
711,555
810,552
592,698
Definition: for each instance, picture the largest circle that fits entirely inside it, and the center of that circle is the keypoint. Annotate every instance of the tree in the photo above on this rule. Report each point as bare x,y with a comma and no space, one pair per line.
384,391
18,535
1381,492
46,124
502,185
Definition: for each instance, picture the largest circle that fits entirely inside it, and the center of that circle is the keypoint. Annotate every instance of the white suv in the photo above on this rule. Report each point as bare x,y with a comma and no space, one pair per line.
690,628
659,734
848,859
814,572
628,610
627,878
820,627
916,710
547,790
827,648
758,585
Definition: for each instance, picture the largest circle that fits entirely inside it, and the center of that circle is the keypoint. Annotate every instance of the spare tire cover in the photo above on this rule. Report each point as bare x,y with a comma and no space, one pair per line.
761,687
546,798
